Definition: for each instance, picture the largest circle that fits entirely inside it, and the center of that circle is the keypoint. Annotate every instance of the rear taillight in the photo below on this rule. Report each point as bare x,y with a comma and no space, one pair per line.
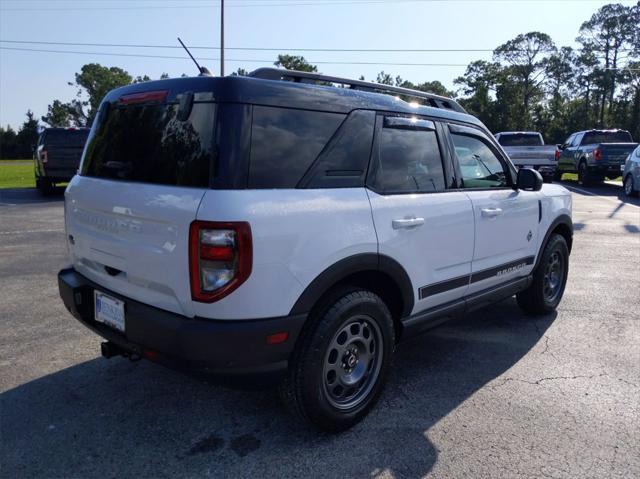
43,156
597,154
220,258
557,155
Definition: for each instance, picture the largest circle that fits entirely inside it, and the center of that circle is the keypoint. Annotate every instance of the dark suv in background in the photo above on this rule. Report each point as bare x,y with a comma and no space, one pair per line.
57,156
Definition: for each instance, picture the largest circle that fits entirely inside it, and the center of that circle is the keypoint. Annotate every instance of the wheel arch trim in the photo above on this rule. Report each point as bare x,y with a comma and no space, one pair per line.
359,263
564,220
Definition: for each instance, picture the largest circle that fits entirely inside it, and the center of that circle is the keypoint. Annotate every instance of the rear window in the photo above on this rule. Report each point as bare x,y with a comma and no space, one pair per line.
285,143
520,139
593,137
149,143
66,138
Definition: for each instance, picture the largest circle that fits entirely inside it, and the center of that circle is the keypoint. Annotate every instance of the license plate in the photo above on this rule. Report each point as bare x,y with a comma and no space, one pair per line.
528,166
109,310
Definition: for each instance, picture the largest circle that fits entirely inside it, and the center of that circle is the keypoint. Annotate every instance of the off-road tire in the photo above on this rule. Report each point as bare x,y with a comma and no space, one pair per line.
536,299
304,391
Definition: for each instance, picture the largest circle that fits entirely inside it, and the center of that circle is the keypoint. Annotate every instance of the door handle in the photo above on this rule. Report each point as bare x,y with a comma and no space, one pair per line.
407,223
491,212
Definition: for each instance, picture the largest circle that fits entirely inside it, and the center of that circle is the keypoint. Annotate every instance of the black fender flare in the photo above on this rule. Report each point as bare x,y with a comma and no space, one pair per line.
560,220
358,263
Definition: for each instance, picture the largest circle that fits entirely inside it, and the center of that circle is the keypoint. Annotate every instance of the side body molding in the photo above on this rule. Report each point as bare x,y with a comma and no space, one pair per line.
359,263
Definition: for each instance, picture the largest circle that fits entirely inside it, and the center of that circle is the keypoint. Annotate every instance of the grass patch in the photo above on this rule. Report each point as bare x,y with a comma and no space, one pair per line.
16,175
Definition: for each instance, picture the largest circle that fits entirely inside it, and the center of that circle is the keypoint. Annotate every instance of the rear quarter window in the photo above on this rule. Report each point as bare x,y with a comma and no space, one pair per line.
285,143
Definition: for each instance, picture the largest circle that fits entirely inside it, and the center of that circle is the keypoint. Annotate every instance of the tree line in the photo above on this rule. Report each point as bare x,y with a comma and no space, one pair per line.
529,84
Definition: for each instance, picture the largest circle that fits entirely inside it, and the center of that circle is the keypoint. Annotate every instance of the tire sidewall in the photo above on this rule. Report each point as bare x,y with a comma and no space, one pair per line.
628,180
316,405
556,243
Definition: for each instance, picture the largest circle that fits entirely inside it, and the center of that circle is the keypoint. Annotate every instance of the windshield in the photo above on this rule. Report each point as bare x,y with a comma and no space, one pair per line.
593,137
68,138
149,143
521,139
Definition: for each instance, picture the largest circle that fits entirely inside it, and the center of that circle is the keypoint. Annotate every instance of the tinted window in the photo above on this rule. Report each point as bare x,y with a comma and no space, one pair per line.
569,140
285,142
344,162
407,161
479,166
607,137
65,138
520,139
148,143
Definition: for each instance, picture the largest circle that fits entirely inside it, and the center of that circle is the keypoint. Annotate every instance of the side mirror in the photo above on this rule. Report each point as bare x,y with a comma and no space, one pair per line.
529,180
561,146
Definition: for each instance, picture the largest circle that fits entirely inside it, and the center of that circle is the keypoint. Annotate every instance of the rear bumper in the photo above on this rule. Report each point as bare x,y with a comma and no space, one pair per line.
546,171
222,348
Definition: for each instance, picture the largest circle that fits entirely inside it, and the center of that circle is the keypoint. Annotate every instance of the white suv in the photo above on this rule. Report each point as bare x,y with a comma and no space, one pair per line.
277,226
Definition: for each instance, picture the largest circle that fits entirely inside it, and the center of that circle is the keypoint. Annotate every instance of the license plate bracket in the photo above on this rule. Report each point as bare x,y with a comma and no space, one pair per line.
108,310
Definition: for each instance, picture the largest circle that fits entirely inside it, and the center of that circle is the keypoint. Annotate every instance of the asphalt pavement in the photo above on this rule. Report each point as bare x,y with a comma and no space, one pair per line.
495,394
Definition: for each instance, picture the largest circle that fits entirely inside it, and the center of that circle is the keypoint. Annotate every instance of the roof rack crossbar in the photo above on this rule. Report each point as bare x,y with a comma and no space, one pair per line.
300,77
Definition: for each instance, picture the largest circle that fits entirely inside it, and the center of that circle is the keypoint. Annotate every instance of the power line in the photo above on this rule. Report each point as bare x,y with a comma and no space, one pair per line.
247,60
270,49
237,60
282,3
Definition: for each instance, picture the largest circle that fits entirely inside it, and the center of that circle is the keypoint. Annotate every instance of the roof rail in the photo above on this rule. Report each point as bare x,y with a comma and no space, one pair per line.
436,101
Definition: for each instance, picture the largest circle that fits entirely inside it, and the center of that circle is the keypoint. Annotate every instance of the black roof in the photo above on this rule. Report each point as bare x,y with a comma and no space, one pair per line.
302,95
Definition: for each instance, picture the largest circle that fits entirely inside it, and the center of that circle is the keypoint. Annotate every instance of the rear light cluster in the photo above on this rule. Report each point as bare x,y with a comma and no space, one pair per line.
220,258
597,154
43,156
557,155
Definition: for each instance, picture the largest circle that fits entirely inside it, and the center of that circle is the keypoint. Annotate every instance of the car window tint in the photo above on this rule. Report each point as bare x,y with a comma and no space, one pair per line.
285,143
479,165
407,161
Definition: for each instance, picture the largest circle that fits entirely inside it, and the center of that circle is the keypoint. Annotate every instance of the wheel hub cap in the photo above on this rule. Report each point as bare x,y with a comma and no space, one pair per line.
352,362
553,276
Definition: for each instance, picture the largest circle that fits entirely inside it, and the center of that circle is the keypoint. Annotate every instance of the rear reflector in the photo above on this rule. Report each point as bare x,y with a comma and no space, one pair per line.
278,338
143,97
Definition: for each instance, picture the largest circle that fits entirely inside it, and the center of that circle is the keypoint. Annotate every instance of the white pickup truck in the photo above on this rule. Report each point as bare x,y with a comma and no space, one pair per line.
526,149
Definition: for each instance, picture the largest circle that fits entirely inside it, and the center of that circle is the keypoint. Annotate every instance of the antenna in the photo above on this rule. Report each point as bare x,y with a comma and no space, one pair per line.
203,70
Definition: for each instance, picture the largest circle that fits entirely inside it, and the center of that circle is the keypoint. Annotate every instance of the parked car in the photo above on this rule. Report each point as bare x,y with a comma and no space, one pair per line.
528,150
57,156
595,154
631,173
276,226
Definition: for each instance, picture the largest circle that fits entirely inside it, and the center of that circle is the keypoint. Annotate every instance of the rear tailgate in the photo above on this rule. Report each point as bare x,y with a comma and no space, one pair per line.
616,153
532,155
63,160
144,172
133,238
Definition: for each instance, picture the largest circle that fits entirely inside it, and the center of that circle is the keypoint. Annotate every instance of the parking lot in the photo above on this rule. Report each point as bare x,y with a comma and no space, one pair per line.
495,394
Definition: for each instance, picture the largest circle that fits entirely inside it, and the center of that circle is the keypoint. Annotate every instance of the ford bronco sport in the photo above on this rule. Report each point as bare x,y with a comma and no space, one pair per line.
299,226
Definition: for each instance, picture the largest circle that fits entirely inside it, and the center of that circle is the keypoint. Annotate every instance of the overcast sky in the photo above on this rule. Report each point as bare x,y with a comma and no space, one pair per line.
31,80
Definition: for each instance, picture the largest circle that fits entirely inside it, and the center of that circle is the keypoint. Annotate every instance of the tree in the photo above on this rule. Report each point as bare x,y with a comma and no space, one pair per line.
240,72
295,62
28,135
8,143
93,82
526,57
384,78
610,33
59,115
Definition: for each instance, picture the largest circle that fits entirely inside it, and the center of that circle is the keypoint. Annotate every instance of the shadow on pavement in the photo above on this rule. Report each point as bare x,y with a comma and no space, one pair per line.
23,196
116,418
607,190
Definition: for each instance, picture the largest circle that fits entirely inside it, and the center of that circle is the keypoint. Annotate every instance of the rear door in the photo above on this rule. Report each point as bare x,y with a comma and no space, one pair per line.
506,219
424,226
144,173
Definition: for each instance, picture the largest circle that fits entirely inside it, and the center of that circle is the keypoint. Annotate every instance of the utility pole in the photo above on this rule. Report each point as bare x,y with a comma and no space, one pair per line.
221,38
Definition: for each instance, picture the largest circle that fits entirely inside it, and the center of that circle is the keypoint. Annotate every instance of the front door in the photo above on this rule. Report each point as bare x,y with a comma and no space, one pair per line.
506,219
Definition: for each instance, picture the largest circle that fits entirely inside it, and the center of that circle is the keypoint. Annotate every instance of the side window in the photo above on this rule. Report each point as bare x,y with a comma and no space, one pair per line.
285,143
578,139
569,141
407,158
479,165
